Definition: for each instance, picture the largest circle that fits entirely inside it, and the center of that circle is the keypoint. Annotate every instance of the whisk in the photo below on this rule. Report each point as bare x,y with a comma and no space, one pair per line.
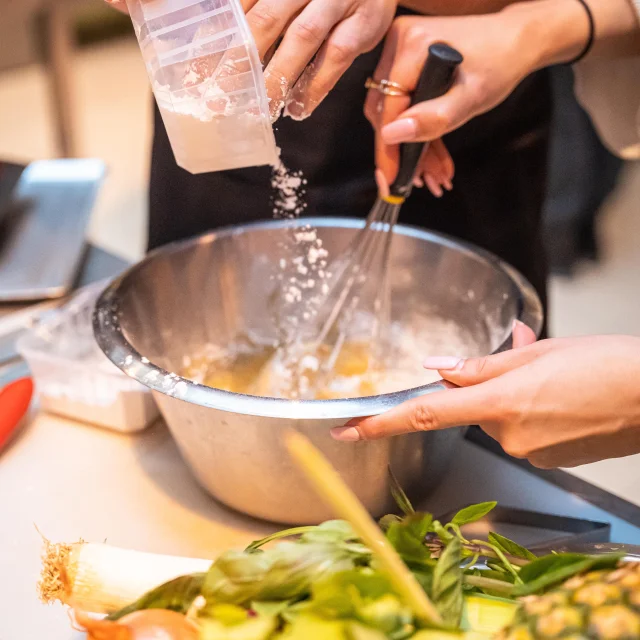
372,244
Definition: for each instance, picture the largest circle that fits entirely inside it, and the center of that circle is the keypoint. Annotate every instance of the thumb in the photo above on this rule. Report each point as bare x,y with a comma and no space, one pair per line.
472,371
438,410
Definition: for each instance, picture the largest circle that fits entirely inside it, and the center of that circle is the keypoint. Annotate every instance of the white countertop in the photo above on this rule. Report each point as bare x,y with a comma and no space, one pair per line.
74,481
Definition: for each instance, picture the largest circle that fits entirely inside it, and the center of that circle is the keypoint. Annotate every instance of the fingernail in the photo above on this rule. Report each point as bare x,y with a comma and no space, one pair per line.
434,187
403,130
442,363
417,182
516,324
345,434
448,185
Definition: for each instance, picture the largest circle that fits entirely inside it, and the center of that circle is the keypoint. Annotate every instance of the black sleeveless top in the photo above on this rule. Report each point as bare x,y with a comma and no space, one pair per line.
496,203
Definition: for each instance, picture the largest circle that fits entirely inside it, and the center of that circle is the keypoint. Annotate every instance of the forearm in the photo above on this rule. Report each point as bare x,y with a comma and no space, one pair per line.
560,28
456,7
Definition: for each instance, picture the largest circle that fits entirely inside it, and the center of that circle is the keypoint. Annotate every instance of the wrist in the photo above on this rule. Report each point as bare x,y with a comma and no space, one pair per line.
554,31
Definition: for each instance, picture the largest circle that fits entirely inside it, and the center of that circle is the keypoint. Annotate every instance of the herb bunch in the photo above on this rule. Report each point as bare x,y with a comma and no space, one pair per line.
323,582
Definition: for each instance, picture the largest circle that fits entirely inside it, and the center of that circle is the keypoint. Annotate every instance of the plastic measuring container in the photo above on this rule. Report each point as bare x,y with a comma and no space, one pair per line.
207,79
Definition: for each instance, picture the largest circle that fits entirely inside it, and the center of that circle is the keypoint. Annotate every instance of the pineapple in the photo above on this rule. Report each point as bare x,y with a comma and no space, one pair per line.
601,605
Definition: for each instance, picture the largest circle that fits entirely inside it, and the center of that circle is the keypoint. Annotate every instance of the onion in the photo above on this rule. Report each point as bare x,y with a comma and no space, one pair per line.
151,624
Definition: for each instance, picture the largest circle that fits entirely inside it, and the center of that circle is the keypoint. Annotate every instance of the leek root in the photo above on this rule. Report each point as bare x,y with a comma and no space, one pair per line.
98,578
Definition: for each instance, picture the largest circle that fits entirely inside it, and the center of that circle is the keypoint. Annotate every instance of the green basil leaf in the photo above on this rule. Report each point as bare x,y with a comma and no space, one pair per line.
270,609
310,627
400,497
510,547
330,532
228,614
473,513
386,521
494,575
447,584
387,614
284,572
546,564
362,595
279,535
550,571
175,595
356,631
408,538
260,628
424,576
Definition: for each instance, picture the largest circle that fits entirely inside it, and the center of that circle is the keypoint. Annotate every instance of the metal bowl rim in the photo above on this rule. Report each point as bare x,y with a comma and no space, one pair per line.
111,339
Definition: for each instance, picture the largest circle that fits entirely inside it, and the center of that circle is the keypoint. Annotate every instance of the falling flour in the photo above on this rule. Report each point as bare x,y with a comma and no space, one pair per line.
303,262
302,274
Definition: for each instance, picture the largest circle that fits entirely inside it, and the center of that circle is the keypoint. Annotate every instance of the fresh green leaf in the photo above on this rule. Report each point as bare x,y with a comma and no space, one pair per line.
368,584
356,631
546,564
228,614
438,634
494,575
330,532
280,535
473,513
309,627
283,572
271,609
386,521
510,547
176,595
408,538
260,628
447,584
554,569
400,497
362,595
387,614
424,576
342,594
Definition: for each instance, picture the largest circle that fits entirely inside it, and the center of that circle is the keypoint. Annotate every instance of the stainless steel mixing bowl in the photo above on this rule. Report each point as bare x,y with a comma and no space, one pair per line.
209,289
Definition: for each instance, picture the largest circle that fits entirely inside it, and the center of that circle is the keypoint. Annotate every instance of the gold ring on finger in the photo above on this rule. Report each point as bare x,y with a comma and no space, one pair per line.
386,87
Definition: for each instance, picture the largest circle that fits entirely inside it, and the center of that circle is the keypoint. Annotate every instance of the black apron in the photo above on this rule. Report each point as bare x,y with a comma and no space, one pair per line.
496,203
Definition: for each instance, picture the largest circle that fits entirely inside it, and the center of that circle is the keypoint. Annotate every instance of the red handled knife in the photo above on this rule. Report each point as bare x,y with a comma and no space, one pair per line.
15,400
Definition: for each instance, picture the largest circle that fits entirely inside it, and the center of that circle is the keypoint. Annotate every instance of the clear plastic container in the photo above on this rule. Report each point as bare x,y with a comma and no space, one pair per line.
207,78
75,379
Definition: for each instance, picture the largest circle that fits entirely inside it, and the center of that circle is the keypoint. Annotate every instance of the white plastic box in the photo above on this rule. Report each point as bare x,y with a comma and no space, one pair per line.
207,79
74,379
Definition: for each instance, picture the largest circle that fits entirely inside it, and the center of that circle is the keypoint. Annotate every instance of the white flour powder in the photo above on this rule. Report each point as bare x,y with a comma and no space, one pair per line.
214,121
203,141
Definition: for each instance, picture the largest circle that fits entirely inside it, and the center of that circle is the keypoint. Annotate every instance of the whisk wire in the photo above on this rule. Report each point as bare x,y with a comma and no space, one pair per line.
353,278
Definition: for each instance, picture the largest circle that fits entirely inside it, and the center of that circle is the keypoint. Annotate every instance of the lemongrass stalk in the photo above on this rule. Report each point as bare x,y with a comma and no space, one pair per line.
331,488
99,578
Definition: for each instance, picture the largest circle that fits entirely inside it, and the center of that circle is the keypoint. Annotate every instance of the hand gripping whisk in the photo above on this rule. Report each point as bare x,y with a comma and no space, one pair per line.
368,255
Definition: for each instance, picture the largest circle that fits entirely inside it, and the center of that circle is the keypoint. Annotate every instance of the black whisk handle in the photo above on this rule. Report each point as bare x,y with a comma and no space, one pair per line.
437,77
